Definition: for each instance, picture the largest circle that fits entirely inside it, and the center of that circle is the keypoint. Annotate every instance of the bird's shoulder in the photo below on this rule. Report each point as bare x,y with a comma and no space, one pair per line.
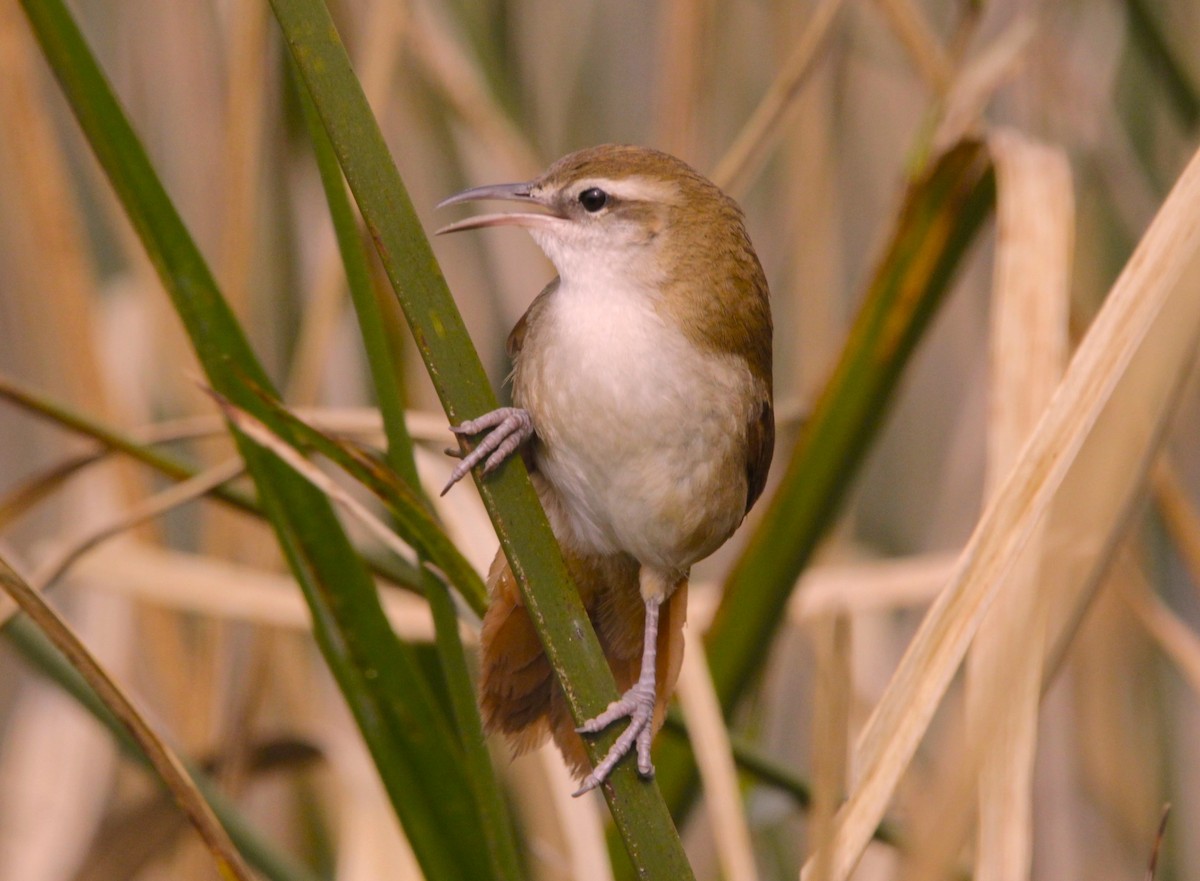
516,337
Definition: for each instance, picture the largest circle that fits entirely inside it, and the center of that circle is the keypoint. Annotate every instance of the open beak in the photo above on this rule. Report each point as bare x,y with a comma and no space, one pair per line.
508,192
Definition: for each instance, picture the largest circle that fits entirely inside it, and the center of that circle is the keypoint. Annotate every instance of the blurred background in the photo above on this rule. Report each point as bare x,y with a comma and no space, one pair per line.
193,610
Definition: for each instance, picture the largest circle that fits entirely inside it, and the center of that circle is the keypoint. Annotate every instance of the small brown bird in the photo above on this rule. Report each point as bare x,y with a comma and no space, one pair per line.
642,401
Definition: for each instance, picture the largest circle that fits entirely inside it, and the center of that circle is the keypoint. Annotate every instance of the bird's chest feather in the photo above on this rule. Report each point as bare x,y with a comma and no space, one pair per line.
641,433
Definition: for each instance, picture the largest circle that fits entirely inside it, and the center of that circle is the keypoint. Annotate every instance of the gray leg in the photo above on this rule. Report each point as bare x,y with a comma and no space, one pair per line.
637,704
507,428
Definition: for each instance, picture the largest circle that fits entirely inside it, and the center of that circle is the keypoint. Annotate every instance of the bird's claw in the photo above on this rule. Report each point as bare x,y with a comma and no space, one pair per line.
637,705
507,428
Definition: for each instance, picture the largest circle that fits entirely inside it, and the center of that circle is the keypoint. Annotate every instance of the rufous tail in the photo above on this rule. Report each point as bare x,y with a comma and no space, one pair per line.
519,694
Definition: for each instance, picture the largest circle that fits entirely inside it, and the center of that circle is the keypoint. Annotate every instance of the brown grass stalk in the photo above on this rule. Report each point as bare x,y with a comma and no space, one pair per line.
746,154
52,569
710,740
170,769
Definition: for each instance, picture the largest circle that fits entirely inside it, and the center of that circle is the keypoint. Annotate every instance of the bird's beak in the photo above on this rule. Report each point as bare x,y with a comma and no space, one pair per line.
521,192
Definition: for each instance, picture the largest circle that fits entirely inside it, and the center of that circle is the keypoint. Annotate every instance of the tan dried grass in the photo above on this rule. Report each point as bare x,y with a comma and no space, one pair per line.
710,742
1030,305
1149,289
182,646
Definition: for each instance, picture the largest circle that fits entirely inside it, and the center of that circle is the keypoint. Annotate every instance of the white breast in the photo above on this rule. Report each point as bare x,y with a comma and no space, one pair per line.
642,433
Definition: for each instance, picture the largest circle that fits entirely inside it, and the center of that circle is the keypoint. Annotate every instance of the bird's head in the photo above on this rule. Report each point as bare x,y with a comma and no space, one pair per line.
617,210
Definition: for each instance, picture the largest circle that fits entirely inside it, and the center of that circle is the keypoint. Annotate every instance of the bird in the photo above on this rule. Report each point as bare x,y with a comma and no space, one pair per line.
642,406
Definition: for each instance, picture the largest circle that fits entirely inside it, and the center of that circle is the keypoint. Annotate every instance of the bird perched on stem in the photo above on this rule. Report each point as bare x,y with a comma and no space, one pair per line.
642,404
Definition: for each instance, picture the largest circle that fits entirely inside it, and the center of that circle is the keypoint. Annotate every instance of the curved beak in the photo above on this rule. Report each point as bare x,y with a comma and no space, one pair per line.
520,192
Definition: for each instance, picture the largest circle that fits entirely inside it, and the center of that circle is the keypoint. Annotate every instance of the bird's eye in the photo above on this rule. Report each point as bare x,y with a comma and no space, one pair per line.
593,199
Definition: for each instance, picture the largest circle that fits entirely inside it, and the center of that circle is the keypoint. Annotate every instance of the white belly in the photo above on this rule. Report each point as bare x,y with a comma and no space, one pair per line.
642,434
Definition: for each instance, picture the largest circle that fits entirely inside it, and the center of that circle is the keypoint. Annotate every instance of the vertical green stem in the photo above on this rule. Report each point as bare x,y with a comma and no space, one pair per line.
640,814
385,371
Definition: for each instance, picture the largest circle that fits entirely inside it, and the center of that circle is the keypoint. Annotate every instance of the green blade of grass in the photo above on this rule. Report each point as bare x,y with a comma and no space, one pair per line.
571,647
385,365
412,516
386,370
410,739
390,568
164,463
942,213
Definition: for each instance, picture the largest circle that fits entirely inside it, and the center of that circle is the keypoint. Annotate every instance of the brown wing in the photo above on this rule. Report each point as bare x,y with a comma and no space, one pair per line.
516,342
760,446
516,337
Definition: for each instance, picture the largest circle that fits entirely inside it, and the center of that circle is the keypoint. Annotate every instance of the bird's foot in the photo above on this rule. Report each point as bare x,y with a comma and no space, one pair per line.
507,428
638,705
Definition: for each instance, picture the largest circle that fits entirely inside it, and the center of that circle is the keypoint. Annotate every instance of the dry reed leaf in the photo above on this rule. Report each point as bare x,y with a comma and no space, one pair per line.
831,637
447,67
1177,640
1179,515
204,585
242,159
1034,251
326,300
1112,469
565,835
939,826
371,844
746,154
185,491
976,83
1030,306
166,763
914,32
681,75
714,759
872,586
1147,296
56,764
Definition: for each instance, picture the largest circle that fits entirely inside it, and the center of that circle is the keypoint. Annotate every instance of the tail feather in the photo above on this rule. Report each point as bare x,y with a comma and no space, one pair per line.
519,695
515,680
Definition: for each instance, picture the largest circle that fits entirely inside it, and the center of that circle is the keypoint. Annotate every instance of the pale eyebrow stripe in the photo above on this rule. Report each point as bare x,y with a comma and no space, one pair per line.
637,188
